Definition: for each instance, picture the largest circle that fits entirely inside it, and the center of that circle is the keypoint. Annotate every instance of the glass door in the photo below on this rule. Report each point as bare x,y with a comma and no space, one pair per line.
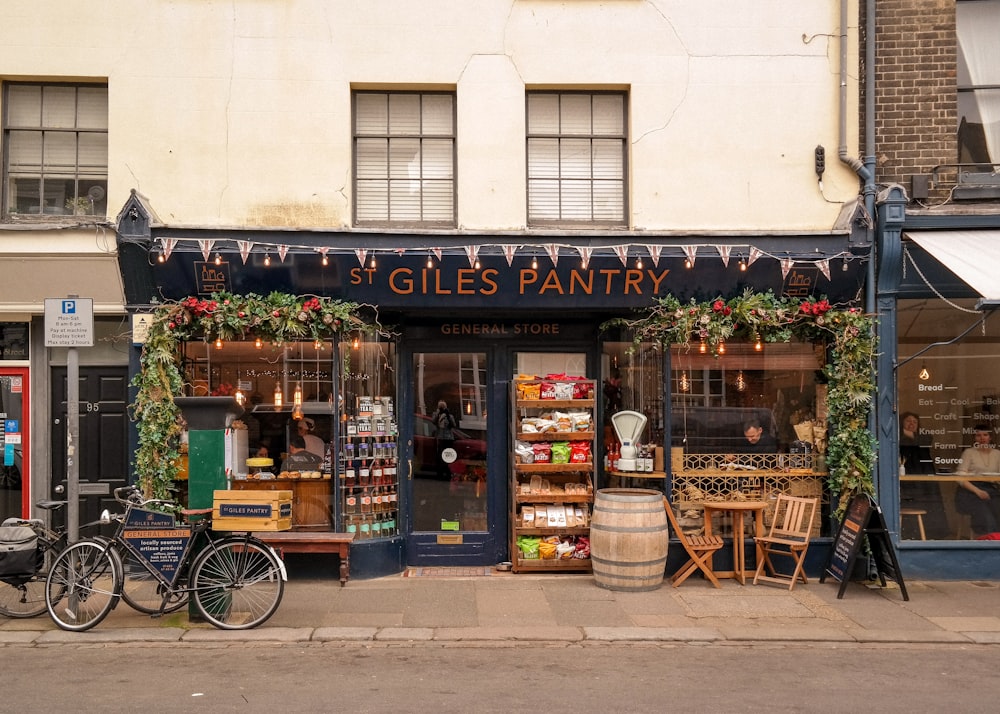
14,481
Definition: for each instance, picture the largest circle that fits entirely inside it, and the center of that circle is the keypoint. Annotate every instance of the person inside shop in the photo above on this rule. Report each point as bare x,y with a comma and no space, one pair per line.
980,500
314,444
299,458
444,434
914,459
756,439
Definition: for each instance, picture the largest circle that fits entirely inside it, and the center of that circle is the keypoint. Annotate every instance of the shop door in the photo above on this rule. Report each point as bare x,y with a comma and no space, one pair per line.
455,484
14,477
103,450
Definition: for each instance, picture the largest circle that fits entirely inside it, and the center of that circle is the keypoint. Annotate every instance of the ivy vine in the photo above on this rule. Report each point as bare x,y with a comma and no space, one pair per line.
278,318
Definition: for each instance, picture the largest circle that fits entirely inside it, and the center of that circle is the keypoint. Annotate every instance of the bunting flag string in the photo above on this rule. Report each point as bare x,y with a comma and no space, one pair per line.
361,253
553,251
472,251
508,253
754,254
245,246
206,247
786,265
168,246
435,251
282,252
622,252
824,267
323,251
585,253
654,253
691,251
724,251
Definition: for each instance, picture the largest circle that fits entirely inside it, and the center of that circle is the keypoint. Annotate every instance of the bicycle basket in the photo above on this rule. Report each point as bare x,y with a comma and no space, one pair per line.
19,551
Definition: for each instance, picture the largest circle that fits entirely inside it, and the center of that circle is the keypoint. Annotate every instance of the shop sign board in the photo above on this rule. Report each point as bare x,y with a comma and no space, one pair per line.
69,322
140,328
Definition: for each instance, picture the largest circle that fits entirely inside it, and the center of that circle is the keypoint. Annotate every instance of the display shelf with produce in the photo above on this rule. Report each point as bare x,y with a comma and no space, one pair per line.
552,473
367,469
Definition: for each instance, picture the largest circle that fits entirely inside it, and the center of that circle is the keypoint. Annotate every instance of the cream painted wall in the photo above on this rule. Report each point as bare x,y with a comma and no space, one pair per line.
238,113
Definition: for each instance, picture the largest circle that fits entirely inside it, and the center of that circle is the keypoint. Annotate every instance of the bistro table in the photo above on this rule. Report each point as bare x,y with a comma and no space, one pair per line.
738,509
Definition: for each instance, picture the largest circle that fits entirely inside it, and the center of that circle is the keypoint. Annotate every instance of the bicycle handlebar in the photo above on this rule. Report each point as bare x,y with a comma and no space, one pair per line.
131,495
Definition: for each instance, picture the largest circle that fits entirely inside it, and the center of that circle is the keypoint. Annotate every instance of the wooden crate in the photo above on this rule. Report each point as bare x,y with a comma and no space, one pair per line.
252,511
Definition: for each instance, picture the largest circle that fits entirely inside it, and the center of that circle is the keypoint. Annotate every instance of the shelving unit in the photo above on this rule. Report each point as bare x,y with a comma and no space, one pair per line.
367,469
571,485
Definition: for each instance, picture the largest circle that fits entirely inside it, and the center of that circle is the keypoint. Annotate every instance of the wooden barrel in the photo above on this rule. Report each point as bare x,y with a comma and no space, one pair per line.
628,539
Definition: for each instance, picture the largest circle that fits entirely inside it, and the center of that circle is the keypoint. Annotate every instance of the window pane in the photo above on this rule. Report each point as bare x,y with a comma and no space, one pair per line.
404,158
609,114
574,158
93,108
373,200
575,116
24,106
404,114
438,200
93,152
438,114
543,157
25,151
543,200
373,158
59,107
404,201
371,114
608,162
437,161
543,113
609,201
59,151
576,200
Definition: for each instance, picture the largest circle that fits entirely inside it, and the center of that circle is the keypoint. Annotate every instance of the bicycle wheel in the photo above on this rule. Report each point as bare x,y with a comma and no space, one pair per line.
23,597
142,591
82,585
237,583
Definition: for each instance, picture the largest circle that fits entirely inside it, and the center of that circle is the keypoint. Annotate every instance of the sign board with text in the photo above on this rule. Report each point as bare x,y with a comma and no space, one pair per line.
69,322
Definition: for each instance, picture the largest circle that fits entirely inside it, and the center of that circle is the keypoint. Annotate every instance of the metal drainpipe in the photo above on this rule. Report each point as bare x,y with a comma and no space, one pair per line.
866,170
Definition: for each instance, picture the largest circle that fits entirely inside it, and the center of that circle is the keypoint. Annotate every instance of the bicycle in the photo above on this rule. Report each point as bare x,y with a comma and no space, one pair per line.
23,595
236,581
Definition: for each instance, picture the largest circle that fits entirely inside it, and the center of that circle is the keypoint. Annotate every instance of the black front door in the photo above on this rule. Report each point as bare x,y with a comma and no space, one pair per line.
103,445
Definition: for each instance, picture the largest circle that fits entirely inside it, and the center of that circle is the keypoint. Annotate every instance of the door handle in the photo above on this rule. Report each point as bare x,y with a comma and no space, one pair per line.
409,469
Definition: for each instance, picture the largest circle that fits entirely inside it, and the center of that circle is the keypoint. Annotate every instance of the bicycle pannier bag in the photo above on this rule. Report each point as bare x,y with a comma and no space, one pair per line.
19,552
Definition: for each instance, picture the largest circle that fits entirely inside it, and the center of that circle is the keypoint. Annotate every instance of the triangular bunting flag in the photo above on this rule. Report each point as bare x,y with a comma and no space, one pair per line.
585,254
691,251
245,246
824,267
508,253
724,251
472,251
553,251
754,254
435,251
206,247
168,246
786,265
282,252
654,253
622,252
361,253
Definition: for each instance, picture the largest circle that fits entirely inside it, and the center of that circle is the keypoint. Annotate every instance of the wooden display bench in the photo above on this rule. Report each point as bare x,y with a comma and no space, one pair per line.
313,542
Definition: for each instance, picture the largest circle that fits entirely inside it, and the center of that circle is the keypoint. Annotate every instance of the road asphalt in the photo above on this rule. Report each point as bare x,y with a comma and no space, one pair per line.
448,606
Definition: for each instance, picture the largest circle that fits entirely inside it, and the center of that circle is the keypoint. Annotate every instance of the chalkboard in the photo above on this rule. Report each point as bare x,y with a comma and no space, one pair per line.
863,520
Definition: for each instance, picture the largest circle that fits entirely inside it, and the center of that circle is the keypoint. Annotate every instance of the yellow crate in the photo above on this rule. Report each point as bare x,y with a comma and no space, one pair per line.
252,511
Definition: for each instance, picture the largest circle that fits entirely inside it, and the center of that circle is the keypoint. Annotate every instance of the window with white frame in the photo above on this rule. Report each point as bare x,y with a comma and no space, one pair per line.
55,148
404,158
576,158
978,27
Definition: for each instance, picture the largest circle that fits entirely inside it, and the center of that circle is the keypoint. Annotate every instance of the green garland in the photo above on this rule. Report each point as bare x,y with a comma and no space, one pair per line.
277,318
848,333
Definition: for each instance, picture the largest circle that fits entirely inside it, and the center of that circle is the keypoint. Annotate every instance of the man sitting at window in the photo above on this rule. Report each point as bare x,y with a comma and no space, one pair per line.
757,440
298,458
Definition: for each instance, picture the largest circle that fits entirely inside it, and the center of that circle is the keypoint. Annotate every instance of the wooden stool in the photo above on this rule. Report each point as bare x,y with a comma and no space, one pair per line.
919,513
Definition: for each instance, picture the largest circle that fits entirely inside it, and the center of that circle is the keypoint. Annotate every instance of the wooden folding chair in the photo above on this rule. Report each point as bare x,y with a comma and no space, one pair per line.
698,548
791,529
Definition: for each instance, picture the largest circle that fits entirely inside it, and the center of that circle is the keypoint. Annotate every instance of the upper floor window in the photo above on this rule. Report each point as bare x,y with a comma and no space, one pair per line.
576,158
404,158
55,149
978,27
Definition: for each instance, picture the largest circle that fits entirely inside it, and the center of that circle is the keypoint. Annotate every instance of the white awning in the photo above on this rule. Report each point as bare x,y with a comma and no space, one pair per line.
974,256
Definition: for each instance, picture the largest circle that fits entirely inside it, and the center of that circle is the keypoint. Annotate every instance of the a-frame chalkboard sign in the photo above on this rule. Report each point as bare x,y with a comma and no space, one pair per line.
863,518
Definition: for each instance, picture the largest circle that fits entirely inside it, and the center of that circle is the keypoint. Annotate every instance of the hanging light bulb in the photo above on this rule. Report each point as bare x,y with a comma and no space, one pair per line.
240,397
218,343
371,263
258,343
703,348
687,263
297,395
468,407
844,266
277,395
218,259
758,345
743,265
357,342
722,348
430,262
741,382
924,374
267,260
326,260
638,262
684,383
534,263
318,345
160,257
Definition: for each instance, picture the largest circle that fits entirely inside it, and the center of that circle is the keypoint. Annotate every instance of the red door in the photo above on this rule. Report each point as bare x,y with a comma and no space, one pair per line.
15,481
